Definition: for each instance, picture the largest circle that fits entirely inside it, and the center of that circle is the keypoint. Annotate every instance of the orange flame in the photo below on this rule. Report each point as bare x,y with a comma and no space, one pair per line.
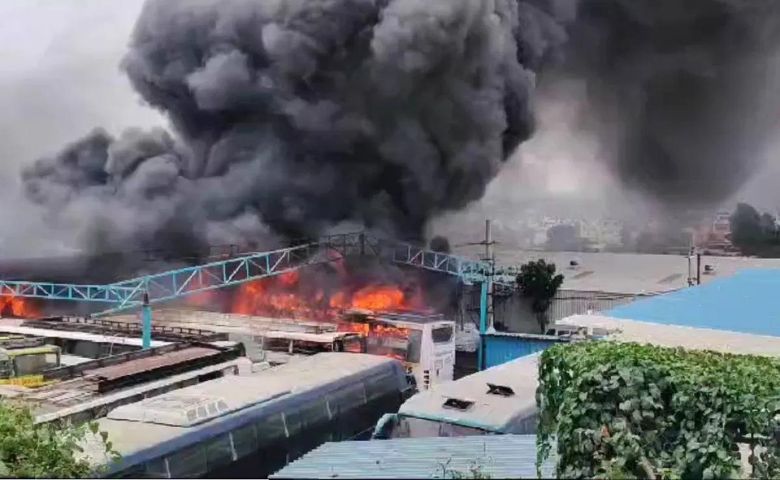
11,306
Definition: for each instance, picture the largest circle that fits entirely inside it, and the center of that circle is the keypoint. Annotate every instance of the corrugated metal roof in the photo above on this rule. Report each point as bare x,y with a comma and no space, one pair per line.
746,302
498,456
140,365
628,273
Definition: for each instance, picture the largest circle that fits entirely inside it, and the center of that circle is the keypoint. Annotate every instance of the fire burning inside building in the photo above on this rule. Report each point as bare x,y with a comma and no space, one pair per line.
12,306
318,296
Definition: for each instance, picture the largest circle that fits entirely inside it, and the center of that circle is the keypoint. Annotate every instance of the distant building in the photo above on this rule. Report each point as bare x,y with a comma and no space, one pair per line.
598,282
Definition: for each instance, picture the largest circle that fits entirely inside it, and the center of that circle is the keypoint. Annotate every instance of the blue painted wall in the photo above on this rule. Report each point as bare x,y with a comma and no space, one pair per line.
748,302
501,348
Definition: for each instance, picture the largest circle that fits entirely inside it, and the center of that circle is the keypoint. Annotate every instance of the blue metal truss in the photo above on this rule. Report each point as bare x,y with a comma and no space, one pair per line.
173,284
59,291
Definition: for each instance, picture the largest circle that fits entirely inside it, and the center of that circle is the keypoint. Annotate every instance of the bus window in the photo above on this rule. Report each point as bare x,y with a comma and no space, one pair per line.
155,469
244,440
188,463
415,345
270,429
442,334
379,386
310,414
343,401
410,427
219,452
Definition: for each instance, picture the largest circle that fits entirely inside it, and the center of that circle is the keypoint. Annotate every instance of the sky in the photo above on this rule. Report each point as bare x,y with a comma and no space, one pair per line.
60,78
60,75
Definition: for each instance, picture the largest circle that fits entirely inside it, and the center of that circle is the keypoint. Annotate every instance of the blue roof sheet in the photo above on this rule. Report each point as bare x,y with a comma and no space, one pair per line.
498,456
747,302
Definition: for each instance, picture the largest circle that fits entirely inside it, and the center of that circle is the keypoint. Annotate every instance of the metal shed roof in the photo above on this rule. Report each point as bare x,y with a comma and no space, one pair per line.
630,273
680,336
746,302
498,456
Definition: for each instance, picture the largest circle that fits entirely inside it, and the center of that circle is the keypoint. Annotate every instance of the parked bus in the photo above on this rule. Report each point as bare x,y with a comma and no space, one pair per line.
424,343
251,426
499,400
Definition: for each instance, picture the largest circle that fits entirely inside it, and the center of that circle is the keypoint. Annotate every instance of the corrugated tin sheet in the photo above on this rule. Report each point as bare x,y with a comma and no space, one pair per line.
498,456
502,348
745,303
151,363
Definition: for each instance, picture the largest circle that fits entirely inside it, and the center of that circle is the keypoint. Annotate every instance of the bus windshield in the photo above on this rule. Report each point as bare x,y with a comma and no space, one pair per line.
397,343
411,427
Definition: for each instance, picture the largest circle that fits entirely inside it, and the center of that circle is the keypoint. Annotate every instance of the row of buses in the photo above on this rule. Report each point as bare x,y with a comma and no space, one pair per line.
251,426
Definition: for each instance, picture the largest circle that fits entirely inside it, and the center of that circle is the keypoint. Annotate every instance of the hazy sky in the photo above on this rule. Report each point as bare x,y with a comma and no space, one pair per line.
60,75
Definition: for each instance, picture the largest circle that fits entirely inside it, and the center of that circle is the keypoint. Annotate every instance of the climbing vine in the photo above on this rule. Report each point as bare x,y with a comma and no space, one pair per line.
636,411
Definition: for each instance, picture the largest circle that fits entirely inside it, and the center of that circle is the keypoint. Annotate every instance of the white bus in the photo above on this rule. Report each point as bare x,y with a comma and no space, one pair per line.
250,426
499,400
425,343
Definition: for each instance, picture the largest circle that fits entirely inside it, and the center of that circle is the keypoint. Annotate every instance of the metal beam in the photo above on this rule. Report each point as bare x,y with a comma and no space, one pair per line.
190,280
60,291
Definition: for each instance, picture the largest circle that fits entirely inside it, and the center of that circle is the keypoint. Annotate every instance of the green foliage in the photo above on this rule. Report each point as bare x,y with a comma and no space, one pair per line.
475,471
538,281
754,233
29,450
635,411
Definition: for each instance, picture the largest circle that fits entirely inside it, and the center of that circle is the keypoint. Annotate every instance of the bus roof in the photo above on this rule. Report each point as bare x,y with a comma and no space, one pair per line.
150,427
325,337
488,411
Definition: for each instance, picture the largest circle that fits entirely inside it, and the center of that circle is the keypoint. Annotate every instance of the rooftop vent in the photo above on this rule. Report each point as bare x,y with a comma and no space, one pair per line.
458,404
574,264
502,390
174,410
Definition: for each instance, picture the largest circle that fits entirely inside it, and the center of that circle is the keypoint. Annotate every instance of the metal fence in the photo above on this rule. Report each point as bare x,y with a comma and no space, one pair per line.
571,302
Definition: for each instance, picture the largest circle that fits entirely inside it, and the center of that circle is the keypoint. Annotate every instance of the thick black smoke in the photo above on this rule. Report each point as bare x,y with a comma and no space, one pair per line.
291,116
295,115
684,94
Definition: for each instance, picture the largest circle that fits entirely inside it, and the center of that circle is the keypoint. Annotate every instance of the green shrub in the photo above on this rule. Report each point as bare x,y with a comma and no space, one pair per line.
627,410
29,450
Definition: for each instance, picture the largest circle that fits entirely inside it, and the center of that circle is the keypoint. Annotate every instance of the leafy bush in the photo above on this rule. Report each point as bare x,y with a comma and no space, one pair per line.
29,450
627,410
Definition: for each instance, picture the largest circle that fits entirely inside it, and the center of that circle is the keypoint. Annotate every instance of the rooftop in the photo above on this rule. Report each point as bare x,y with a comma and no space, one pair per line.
497,456
137,427
747,302
489,411
629,273
680,336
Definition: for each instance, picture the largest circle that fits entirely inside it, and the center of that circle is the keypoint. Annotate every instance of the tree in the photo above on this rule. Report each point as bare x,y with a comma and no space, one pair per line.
538,282
754,233
30,450
746,228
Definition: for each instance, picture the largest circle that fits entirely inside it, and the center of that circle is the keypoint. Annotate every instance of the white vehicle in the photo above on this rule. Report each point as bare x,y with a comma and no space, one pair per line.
499,400
249,426
425,343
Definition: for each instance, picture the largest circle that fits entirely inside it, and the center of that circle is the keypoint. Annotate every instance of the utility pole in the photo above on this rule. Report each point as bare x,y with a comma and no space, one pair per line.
490,258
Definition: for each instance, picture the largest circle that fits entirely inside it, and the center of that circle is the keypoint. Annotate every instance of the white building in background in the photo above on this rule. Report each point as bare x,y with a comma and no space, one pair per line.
598,282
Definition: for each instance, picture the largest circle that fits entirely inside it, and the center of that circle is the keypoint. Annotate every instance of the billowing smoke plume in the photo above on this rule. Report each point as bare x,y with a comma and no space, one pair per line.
683,94
291,116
